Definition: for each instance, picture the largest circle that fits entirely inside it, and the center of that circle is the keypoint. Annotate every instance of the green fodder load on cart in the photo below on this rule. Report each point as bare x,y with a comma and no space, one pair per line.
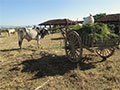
96,30
77,26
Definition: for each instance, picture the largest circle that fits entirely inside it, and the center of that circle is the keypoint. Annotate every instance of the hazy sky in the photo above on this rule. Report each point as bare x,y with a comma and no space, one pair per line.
27,12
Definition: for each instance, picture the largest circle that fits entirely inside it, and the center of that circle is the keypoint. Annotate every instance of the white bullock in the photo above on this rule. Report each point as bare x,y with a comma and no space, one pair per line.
31,34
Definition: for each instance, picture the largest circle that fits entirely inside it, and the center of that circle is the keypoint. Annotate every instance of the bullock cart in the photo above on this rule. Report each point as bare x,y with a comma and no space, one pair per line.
74,44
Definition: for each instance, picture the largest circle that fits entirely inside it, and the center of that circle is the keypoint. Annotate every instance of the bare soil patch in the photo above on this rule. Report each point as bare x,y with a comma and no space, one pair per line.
47,68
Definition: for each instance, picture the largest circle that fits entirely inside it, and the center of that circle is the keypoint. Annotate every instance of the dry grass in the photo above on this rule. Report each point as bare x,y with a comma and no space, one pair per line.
34,67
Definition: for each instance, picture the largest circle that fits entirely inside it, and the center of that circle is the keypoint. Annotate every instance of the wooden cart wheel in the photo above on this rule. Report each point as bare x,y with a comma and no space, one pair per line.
73,46
105,52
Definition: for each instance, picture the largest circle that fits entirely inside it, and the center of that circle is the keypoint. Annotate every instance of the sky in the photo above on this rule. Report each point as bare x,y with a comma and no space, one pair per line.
33,12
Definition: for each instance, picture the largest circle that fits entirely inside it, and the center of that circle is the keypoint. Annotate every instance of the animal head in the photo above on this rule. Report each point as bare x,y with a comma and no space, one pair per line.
44,32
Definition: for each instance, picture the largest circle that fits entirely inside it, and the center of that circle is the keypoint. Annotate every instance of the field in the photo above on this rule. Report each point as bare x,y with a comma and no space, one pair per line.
47,68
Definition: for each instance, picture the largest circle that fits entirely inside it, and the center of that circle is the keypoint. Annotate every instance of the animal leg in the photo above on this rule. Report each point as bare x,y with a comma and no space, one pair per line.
38,43
20,39
8,34
20,43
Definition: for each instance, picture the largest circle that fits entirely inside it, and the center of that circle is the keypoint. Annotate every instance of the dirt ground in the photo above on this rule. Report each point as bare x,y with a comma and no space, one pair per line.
47,68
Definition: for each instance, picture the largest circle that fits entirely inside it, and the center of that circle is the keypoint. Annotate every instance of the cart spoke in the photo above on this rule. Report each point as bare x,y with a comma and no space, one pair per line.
108,51
76,43
77,54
